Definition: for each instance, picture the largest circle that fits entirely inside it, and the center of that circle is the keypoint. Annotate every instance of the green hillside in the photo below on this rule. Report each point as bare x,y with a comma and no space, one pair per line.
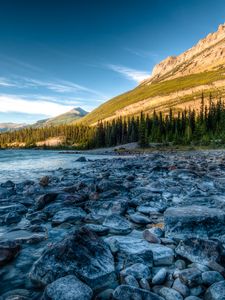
143,92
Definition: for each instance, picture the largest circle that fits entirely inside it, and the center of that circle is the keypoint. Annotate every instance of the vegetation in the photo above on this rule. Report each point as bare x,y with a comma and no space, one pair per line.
144,91
187,127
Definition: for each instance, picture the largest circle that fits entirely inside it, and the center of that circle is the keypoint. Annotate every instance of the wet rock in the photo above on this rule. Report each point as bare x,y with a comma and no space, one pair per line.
98,229
180,264
81,159
150,237
8,250
117,224
45,199
181,288
44,181
81,253
130,280
105,295
194,221
159,277
14,208
210,277
129,293
170,294
140,219
144,284
69,215
68,288
191,277
216,291
199,250
138,270
192,298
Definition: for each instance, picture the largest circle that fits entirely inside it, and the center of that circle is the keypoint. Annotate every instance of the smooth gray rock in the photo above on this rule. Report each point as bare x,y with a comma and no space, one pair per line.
117,224
159,277
69,215
140,219
130,280
170,294
83,254
199,250
194,221
190,277
68,288
210,277
181,288
151,237
144,284
216,291
127,292
138,270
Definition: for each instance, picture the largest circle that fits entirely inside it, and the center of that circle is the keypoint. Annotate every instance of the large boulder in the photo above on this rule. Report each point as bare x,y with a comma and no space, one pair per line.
68,288
199,250
194,221
82,254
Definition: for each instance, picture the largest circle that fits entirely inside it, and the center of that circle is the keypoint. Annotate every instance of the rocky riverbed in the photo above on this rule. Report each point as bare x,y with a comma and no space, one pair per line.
148,227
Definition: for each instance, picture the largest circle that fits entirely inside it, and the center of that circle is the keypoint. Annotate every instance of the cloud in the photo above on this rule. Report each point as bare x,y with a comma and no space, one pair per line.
13,103
143,53
129,73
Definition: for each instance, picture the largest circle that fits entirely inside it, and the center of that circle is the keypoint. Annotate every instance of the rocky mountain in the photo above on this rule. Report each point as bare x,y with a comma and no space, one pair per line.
177,81
11,126
66,118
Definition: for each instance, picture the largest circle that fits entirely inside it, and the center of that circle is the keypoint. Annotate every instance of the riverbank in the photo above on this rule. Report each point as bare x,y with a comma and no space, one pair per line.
151,226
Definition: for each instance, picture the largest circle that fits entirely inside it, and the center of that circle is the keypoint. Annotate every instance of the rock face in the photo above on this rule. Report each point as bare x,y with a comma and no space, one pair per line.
68,288
198,221
83,254
208,53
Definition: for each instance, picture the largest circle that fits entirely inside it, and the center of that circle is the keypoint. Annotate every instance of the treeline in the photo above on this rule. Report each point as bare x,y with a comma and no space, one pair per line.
202,126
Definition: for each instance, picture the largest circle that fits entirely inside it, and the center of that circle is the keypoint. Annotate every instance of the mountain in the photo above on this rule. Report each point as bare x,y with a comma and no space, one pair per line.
177,81
66,118
11,126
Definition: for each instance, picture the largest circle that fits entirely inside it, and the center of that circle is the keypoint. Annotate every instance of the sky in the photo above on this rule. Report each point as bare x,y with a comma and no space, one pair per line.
57,55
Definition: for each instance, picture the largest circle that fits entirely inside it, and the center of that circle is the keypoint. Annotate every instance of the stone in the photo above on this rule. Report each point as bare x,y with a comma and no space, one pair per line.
98,229
83,254
170,294
44,181
192,298
130,280
150,237
13,208
8,250
81,159
117,224
210,277
68,288
69,215
105,295
194,221
180,264
199,250
216,291
43,200
191,277
127,292
181,288
138,270
140,219
144,284
159,277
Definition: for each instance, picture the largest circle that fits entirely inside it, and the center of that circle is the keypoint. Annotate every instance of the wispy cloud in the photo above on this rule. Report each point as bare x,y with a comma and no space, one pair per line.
13,103
143,53
131,74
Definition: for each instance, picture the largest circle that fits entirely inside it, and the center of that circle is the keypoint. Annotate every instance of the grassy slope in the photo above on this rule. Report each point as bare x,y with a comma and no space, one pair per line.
155,89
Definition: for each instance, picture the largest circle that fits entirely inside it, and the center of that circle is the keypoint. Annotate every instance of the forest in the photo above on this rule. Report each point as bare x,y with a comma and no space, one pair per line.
203,126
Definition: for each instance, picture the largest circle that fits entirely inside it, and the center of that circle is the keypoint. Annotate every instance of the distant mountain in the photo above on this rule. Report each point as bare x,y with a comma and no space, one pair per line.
66,118
177,82
11,126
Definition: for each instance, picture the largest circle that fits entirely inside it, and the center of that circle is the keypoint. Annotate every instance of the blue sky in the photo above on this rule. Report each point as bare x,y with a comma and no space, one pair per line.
56,55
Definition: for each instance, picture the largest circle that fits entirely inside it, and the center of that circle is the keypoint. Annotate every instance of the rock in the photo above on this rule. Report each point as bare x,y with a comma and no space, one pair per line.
45,199
69,215
147,210
216,291
14,208
105,295
8,250
44,181
197,290
144,284
156,231
192,298
127,292
138,270
190,277
180,264
199,250
181,288
210,277
159,277
98,229
83,254
194,221
10,218
170,294
81,159
130,280
117,224
68,288
150,237
140,219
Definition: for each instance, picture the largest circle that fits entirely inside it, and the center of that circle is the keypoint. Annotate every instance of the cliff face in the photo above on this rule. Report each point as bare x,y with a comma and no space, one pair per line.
207,54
